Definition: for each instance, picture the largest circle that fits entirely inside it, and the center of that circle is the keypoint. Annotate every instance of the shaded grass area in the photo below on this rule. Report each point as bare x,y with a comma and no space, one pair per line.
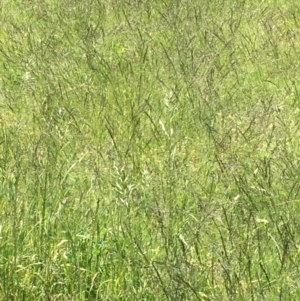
149,151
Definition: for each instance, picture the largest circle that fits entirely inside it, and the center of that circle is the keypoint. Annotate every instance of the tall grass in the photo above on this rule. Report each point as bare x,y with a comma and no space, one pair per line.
149,150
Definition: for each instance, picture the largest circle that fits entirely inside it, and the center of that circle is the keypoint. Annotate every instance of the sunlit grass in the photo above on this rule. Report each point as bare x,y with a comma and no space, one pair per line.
149,150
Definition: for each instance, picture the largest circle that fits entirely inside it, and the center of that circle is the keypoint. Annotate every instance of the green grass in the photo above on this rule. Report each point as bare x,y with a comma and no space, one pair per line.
149,150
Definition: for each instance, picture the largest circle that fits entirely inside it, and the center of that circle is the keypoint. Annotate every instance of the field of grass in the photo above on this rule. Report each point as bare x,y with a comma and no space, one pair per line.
149,150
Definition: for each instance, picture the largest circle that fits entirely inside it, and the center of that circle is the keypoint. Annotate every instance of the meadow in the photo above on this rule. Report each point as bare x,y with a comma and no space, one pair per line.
149,150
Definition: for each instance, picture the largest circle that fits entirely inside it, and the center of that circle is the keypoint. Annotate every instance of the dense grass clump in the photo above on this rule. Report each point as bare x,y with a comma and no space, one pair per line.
149,150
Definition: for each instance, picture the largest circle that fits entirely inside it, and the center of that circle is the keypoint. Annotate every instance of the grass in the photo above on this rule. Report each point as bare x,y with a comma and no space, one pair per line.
149,150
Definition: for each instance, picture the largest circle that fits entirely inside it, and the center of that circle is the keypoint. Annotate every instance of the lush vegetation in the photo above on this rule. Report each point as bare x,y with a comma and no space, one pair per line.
149,150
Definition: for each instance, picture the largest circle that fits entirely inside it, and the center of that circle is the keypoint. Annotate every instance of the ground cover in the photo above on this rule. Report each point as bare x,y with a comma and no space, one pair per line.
149,150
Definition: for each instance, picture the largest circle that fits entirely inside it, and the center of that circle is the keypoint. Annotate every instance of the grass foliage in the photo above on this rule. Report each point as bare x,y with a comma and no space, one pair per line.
149,150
